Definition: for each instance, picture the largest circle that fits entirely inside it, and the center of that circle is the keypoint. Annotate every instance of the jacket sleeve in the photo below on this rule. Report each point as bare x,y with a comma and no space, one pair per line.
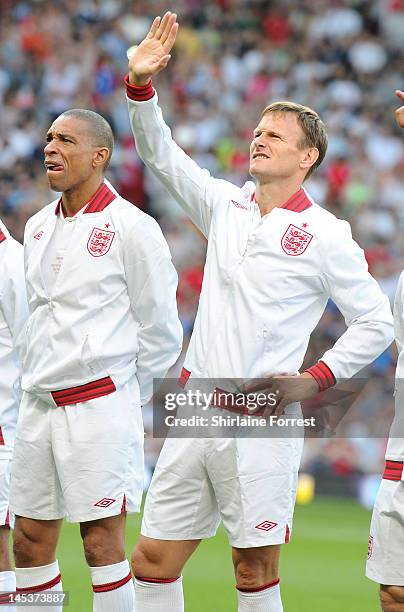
152,284
193,187
13,300
399,314
365,308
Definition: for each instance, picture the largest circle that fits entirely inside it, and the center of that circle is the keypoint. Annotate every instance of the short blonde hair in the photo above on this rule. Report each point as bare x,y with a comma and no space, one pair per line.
315,132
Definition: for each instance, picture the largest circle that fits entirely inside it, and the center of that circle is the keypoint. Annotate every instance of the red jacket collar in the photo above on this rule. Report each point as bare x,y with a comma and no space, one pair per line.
100,200
298,202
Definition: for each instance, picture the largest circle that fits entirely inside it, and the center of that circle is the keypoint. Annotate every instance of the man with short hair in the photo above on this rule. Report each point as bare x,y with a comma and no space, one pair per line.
274,258
103,323
385,563
13,314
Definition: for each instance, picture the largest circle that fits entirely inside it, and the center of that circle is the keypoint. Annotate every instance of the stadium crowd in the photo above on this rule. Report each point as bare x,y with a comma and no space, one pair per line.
232,58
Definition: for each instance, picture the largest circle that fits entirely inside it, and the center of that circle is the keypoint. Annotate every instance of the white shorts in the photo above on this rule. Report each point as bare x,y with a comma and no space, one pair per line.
248,483
83,461
6,518
385,563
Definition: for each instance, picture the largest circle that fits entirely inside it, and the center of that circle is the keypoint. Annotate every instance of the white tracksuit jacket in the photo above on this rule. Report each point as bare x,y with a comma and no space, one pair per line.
13,315
266,280
112,311
395,446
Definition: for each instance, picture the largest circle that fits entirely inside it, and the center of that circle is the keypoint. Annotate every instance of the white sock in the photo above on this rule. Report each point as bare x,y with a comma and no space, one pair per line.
113,588
263,599
38,579
7,584
153,595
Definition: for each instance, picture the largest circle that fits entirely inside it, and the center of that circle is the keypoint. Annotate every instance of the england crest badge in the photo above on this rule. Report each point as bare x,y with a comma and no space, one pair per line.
100,242
295,240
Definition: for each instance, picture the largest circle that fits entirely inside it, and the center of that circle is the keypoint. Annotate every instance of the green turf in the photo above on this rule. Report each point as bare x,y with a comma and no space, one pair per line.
322,568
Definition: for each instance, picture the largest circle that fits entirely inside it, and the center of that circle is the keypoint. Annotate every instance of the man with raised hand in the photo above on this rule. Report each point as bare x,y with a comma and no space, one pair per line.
13,314
274,259
103,324
385,563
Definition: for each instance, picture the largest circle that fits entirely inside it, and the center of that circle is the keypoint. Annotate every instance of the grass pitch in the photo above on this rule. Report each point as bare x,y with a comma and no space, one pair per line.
322,569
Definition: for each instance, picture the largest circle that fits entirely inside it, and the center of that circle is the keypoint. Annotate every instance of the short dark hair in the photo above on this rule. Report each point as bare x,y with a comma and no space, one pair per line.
98,128
314,129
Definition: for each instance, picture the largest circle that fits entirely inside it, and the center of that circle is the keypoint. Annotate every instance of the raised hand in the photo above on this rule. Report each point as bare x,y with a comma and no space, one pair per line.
400,111
153,53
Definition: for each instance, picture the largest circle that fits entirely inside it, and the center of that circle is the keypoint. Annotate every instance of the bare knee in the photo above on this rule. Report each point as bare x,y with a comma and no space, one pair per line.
144,556
5,563
103,543
98,552
149,560
161,558
23,549
255,567
392,598
34,542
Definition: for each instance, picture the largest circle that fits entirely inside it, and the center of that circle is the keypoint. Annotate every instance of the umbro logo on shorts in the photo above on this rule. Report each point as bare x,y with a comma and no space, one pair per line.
105,502
266,526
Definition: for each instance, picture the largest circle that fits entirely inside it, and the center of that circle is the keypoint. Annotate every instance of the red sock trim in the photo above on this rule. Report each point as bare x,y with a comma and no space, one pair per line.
261,588
111,586
41,587
5,598
157,580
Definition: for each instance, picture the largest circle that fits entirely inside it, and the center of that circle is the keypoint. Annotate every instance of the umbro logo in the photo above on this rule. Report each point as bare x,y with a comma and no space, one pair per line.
238,205
105,502
266,526
39,235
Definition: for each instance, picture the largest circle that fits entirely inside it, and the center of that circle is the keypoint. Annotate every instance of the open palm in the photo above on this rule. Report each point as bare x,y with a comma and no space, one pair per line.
153,53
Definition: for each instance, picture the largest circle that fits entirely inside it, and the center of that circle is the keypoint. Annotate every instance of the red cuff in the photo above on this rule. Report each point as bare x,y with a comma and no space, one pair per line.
322,375
139,93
